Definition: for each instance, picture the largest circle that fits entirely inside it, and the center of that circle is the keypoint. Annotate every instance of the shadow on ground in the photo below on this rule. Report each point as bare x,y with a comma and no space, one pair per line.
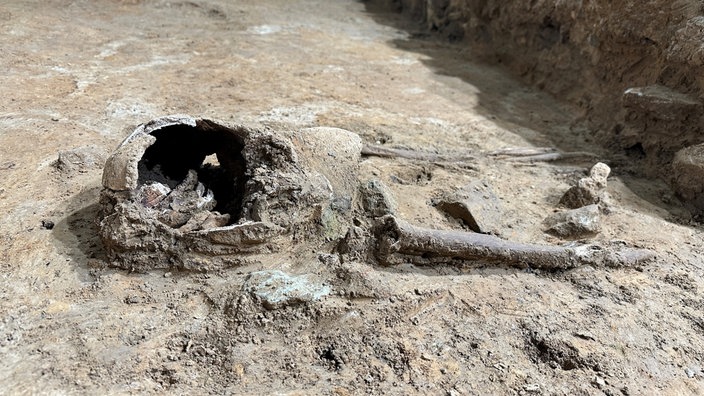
78,231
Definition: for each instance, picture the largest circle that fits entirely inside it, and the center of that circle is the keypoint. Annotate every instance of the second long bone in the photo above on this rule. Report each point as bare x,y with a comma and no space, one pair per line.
396,237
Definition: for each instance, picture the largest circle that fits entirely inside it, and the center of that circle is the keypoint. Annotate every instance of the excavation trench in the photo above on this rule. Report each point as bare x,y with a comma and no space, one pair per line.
634,74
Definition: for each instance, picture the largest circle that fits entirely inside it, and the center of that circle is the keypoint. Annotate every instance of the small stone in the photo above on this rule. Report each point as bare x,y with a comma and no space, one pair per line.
476,206
585,335
690,373
599,173
48,224
354,242
589,190
575,223
341,204
277,289
532,388
598,382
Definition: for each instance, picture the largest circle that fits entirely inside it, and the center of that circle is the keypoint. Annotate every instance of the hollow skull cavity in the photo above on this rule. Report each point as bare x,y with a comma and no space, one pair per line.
190,193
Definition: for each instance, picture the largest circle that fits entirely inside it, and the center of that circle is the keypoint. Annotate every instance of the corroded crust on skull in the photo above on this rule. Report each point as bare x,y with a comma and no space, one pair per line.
190,193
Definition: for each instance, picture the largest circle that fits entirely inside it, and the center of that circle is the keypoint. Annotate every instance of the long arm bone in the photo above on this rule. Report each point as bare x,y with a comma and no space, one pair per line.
371,150
538,154
397,236
520,154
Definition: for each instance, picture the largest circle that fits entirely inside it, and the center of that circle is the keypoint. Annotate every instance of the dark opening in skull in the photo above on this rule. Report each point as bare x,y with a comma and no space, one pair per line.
214,152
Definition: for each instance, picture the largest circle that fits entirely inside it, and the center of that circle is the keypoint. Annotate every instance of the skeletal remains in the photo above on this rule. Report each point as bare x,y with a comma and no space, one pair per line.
188,193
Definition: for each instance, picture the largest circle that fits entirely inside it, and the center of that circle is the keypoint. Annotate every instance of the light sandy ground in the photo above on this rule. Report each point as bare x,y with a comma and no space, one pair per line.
83,74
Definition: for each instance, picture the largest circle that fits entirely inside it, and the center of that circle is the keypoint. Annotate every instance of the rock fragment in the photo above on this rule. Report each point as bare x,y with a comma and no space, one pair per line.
660,102
589,190
598,382
48,224
354,243
657,122
688,175
689,372
575,223
475,205
277,289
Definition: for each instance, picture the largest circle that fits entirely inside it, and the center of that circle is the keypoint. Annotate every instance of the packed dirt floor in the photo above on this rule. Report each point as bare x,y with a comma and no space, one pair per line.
79,76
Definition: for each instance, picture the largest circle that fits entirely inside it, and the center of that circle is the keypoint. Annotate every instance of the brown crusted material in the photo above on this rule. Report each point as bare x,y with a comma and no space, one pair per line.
399,237
195,194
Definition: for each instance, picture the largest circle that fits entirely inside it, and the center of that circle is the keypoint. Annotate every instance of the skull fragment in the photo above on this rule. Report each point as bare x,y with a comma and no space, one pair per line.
190,193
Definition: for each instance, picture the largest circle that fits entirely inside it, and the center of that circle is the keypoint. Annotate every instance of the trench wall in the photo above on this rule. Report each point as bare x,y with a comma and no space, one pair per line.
635,68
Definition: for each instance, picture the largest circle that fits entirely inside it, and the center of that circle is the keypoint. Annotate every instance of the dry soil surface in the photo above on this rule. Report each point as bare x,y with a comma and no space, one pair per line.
80,75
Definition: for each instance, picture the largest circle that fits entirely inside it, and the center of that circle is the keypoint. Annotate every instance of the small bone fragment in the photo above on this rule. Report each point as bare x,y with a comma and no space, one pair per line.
182,204
396,236
151,195
205,220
